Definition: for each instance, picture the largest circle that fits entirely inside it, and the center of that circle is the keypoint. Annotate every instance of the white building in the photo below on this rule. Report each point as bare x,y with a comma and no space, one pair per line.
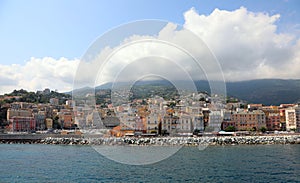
215,120
197,122
297,110
290,118
153,121
185,124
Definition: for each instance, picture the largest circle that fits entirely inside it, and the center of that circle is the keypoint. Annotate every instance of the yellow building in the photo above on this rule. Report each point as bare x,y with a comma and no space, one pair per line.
49,123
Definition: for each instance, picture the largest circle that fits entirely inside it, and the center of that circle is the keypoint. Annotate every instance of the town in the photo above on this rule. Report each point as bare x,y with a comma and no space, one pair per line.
191,114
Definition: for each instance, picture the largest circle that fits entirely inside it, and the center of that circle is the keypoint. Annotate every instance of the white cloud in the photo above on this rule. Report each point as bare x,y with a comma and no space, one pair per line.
38,74
246,44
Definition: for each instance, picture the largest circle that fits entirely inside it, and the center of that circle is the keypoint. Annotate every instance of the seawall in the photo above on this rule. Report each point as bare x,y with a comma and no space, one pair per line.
195,141
72,139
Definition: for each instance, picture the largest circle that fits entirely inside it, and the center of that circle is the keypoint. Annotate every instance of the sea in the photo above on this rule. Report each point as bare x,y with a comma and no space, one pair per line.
74,163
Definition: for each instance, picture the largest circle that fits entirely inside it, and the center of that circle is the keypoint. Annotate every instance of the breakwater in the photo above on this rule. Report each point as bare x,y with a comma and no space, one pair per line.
195,141
33,138
162,141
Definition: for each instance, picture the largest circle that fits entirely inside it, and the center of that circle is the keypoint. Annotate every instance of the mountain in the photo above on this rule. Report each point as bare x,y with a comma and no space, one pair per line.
265,91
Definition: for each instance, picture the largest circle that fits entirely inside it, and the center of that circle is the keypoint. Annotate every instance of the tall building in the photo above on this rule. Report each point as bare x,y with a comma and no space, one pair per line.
40,120
66,119
290,118
273,121
152,122
49,123
197,122
215,120
185,124
273,118
297,110
169,124
282,119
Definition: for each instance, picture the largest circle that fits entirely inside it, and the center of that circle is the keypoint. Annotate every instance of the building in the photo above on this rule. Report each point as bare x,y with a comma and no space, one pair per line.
70,103
215,120
66,119
290,118
273,118
205,112
297,110
40,120
18,112
227,120
226,124
22,124
249,120
54,101
153,120
197,122
139,124
282,119
273,121
46,91
49,123
127,122
252,107
185,124
169,124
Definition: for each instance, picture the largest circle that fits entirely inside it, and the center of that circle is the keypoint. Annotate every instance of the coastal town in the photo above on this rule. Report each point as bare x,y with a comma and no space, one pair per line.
193,114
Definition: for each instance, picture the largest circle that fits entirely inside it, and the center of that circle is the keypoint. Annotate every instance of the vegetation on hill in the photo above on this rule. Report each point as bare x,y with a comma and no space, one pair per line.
168,92
266,91
34,97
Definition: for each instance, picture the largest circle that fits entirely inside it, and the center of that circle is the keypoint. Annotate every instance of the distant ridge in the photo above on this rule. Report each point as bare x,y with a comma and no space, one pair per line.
265,91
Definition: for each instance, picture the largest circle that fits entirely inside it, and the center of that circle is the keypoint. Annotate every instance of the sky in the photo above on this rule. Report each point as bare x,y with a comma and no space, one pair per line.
42,42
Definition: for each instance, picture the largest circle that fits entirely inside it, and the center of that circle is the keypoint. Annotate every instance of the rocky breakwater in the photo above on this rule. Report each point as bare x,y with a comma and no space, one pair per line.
192,141
176,141
65,141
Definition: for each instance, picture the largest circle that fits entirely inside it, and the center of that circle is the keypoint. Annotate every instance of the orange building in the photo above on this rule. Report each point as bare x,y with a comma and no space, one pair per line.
273,119
66,120
282,119
247,120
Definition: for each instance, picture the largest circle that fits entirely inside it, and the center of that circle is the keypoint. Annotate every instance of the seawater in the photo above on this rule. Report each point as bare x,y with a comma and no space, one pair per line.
64,163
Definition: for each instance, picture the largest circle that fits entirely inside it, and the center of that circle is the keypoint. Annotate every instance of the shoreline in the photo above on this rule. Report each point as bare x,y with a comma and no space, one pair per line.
153,141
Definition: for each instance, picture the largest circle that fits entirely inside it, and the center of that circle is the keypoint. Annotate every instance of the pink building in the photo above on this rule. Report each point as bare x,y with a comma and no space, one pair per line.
22,124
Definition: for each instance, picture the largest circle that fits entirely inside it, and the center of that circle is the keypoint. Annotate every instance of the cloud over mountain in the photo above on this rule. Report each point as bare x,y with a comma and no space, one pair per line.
247,45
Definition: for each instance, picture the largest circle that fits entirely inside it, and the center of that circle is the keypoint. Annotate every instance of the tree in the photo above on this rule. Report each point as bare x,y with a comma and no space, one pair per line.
56,124
263,129
3,113
230,129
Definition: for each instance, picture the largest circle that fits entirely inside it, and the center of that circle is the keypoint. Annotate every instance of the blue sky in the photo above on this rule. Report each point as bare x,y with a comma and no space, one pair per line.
57,28
41,42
